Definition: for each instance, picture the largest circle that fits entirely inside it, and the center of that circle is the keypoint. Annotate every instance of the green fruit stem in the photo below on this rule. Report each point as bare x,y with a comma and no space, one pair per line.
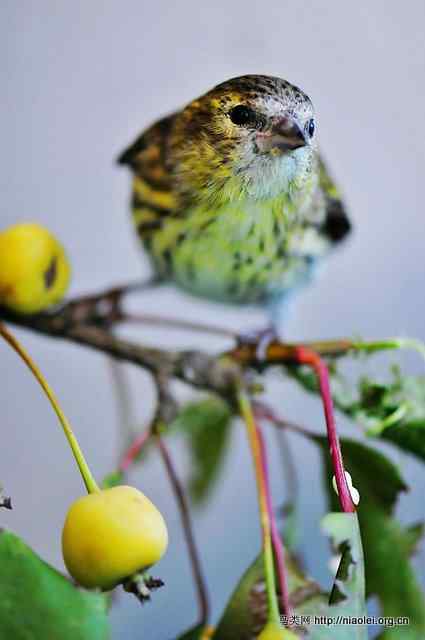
255,444
390,343
279,553
88,479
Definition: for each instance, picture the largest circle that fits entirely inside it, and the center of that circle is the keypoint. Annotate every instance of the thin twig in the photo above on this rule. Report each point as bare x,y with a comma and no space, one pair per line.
288,466
246,353
125,417
86,320
264,412
188,529
176,323
196,368
114,294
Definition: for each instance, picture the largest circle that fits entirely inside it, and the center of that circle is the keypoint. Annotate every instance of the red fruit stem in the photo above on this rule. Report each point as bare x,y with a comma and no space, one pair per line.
276,539
134,450
312,359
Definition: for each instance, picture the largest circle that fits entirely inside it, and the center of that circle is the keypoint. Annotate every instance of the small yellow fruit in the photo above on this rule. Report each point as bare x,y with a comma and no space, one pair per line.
34,269
111,534
274,631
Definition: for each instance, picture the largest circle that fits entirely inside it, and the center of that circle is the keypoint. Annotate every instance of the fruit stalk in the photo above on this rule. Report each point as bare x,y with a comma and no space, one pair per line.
275,536
373,346
187,526
88,479
313,360
134,450
255,445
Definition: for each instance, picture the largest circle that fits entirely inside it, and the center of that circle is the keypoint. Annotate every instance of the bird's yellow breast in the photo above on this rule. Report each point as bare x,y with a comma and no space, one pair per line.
238,252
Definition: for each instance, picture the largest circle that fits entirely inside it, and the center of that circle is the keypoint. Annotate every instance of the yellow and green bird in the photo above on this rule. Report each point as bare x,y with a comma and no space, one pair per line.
231,199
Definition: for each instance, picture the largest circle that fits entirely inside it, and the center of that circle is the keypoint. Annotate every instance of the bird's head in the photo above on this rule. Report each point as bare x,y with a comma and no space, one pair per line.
250,136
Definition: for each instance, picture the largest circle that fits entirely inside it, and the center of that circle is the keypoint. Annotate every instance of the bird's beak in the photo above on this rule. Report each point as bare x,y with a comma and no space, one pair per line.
285,135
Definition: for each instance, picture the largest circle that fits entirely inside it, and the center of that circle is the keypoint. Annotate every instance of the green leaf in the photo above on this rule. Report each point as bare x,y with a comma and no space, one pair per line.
413,535
195,633
409,436
374,475
386,544
246,611
392,410
206,424
243,615
36,601
347,597
113,479
291,524
401,632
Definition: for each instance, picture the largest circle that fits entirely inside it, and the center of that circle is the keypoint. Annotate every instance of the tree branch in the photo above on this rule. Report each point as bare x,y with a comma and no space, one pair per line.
192,367
89,320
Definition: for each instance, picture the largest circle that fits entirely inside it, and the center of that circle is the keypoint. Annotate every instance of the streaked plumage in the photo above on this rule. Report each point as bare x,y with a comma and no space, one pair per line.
235,211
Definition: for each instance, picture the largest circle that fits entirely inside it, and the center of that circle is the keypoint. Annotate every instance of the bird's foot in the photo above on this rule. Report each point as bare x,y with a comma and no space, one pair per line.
261,338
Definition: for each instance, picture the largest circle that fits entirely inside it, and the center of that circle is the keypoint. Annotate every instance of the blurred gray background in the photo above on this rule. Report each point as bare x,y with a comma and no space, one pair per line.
79,81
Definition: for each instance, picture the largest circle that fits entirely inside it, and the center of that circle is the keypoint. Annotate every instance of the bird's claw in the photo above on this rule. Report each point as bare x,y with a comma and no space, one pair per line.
261,339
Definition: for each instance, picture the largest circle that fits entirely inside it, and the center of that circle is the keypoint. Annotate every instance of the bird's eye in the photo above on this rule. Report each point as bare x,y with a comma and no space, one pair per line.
242,115
311,127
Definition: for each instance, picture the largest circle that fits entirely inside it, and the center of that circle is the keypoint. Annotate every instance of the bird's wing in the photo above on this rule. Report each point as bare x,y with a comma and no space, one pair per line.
153,196
147,154
336,225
